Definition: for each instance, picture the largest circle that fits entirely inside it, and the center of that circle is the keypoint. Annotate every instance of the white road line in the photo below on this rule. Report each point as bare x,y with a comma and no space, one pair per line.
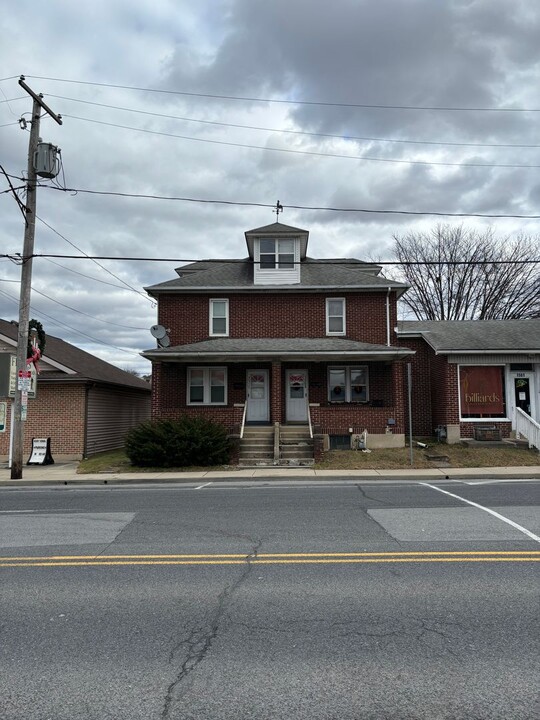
500,482
491,512
203,486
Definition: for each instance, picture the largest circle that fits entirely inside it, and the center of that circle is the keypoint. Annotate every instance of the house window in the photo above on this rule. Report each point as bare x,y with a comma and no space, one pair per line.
335,316
482,392
348,384
219,317
206,386
276,253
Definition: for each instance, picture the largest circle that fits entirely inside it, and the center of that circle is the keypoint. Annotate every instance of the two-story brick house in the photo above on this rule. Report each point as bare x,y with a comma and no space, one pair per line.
279,337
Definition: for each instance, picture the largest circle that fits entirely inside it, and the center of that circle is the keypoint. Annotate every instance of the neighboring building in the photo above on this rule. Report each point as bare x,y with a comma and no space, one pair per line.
279,337
84,404
469,376
288,338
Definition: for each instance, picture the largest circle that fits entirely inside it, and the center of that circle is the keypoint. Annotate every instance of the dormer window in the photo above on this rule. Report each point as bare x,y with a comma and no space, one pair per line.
276,253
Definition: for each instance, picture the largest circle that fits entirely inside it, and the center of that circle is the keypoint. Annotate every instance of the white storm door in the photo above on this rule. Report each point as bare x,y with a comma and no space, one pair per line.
297,395
257,396
522,394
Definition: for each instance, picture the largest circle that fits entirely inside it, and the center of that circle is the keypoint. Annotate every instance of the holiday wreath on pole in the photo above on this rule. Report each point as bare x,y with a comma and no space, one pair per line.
36,343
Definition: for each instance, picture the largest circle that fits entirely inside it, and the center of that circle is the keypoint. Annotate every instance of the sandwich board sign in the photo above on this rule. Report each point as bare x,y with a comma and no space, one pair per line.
41,452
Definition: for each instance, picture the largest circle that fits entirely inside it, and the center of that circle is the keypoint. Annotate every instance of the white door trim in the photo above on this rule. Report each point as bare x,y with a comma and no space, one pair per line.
296,408
530,376
258,408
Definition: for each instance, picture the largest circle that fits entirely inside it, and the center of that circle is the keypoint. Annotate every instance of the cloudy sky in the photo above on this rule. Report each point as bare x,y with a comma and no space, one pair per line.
403,105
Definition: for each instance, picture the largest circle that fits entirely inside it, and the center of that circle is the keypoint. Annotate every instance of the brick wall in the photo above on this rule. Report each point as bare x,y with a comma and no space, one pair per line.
253,315
58,412
385,389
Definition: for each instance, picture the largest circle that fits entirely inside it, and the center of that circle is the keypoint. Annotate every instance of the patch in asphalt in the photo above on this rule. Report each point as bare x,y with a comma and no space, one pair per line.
450,524
69,529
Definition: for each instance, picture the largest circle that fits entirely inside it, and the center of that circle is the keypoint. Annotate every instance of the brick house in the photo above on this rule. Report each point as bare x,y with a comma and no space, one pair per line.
84,404
473,377
279,337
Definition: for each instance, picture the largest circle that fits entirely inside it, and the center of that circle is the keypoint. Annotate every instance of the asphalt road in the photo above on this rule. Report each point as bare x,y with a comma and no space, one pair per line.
263,600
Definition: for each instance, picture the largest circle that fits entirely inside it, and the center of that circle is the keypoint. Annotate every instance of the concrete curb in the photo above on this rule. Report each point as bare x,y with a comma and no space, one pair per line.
65,474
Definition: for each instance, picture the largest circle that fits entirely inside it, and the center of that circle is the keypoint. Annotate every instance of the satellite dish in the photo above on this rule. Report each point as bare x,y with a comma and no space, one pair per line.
164,341
158,331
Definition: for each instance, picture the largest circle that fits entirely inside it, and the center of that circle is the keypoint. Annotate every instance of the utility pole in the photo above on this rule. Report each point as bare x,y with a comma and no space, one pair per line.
26,276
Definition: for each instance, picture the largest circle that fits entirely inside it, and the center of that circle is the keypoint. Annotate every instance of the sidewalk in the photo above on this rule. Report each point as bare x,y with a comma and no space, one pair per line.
66,474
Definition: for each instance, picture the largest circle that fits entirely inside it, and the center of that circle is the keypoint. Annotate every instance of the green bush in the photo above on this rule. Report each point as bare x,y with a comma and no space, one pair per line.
178,443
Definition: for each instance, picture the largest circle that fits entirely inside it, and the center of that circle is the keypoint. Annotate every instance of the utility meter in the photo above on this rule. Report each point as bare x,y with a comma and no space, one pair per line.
46,163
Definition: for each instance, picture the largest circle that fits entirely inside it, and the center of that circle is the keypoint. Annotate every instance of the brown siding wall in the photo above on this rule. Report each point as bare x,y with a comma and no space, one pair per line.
111,413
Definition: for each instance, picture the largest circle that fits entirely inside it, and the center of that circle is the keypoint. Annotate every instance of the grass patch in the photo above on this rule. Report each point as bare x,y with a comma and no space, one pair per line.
116,461
458,456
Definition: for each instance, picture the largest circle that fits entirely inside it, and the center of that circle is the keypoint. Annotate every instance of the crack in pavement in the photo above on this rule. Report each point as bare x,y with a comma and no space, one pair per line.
199,640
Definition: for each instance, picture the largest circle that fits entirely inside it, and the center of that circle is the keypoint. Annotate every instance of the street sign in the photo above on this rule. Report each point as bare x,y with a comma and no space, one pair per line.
25,380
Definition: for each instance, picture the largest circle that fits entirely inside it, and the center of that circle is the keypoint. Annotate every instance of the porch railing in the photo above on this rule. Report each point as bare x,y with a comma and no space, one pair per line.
527,427
242,426
309,422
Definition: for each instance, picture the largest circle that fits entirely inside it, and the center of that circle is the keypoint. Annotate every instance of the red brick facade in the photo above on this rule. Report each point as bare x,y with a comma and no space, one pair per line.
272,315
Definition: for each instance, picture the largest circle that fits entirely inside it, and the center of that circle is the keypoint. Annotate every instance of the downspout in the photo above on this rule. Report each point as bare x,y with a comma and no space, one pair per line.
388,317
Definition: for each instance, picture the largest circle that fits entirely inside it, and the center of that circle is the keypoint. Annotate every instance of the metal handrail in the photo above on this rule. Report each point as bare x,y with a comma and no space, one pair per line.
243,421
525,425
309,422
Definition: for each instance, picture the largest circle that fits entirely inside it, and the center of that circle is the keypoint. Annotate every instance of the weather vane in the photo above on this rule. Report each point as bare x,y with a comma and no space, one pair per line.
278,209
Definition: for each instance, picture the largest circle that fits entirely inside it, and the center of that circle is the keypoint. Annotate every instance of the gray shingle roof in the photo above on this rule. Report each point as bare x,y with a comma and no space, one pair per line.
237,275
476,335
235,347
275,227
85,365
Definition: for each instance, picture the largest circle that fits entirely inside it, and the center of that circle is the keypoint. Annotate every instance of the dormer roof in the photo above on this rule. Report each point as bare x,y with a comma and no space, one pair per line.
277,230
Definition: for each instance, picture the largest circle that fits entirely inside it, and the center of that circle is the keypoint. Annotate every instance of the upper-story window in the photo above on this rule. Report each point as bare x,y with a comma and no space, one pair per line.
276,254
335,316
219,317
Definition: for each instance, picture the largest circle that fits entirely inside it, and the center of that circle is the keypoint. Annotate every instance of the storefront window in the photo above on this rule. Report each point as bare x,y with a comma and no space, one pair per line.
482,391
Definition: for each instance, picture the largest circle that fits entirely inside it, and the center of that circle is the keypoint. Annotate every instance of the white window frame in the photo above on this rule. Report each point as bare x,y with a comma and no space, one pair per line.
207,370
212,318
277,254
328,316
348,370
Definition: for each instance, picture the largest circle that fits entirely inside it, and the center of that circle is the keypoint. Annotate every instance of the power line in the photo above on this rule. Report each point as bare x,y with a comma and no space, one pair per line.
89,277
69,327
311,261
312,153
82,251
291,207
292,132
289,102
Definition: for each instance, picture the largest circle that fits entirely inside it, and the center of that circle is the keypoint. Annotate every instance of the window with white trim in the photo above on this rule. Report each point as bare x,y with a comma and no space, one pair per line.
219,317
276,254
207,386
335,316
348,384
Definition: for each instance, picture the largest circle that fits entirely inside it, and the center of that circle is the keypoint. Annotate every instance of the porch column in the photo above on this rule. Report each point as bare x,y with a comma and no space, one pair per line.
275,393
400,391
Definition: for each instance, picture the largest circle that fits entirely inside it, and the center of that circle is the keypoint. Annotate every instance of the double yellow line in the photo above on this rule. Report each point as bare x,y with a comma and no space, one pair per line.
275,558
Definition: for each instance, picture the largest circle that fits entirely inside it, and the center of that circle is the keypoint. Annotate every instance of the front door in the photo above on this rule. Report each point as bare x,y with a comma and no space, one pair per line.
257,396
297,395
522,393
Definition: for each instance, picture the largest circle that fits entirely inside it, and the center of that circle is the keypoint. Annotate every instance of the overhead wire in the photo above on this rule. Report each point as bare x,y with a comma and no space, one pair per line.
86,255
311,153
290,102
292,132
69,327
291,207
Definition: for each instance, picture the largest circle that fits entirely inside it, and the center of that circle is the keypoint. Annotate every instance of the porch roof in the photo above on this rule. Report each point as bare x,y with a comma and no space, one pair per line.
287,349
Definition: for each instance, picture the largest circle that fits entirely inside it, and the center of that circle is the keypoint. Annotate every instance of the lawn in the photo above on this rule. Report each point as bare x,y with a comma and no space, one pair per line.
457,456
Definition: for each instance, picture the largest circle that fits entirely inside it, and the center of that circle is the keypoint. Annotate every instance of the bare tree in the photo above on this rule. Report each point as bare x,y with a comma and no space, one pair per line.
469,275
